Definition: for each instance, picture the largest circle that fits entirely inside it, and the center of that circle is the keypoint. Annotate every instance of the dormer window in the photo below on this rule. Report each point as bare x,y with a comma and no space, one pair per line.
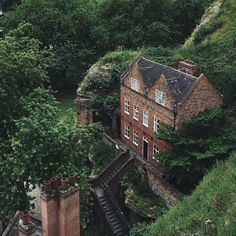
134,84
160,97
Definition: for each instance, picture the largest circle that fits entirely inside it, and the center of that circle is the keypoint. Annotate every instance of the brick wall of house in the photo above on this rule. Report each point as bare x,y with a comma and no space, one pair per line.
161,85
165,115
203,96
135,73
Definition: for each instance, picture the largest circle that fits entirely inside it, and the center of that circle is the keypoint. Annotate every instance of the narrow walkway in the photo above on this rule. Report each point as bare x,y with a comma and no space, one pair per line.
102,185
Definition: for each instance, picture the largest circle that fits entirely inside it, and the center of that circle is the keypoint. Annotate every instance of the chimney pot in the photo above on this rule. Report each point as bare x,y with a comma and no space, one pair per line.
59,177
25,218
72,180
47,187
64,184
54,183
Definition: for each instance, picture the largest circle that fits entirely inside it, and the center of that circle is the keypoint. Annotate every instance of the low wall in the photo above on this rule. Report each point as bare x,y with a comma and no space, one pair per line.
111,142
163,188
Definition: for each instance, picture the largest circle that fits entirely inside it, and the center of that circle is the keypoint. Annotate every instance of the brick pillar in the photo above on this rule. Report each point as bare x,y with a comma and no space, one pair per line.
60,208
69,212
49,212
25,227
187,66
84,116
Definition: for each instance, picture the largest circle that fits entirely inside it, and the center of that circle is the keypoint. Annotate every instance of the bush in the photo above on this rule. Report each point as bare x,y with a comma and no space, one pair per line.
208,29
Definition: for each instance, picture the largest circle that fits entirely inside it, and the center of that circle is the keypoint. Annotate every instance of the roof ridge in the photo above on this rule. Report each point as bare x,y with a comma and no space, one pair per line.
181,72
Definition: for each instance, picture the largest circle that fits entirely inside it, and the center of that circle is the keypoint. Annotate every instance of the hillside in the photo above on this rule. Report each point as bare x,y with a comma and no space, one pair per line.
212,47
210,210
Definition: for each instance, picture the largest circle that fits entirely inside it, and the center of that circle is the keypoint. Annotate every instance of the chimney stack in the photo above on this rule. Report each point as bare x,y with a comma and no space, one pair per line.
187,66
60,207
26,227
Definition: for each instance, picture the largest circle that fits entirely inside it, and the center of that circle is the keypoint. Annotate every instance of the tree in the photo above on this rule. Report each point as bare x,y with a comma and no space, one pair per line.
197,146
23,67
63,26
79,32
42,147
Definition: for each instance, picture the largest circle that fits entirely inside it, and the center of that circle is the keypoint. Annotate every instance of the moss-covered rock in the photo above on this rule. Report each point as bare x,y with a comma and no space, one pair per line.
146,204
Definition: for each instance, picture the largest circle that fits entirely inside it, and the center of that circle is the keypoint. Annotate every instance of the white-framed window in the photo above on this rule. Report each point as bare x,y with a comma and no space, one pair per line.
135,137
156,124
155,151
135,112
126,134
126,107
160,97
134,84
145,118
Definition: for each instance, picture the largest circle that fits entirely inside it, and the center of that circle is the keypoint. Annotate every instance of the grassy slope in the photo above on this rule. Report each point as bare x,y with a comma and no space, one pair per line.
210,210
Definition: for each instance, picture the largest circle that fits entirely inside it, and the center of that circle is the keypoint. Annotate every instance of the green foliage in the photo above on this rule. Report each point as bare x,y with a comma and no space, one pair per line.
138,229
146,203
215,52
207,30
192,11
78,32
101,156
103,80
22,68
197,146
210,210
43,146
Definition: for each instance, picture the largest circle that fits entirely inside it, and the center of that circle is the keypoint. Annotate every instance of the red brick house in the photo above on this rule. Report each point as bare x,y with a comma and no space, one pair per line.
152,94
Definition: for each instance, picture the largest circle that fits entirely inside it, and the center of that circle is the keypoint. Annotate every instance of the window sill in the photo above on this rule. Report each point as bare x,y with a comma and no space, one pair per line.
136,144
126,137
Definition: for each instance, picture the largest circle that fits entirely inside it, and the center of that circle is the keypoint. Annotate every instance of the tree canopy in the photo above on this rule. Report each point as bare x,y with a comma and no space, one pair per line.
197,146
78,32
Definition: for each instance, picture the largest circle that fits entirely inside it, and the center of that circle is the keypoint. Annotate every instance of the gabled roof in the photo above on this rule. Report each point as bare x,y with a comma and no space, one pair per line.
178,82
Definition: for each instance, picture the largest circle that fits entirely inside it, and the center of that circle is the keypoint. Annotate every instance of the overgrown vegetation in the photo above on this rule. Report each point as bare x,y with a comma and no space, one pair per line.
79,32
210,210
139,196
101,155
197,146
35,142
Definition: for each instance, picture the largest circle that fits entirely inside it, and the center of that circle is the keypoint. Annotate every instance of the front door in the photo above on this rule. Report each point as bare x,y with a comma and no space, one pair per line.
145,149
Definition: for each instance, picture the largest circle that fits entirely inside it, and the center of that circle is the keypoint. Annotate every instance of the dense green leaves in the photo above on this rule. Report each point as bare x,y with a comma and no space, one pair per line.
78,32
197,146
42,147
22,68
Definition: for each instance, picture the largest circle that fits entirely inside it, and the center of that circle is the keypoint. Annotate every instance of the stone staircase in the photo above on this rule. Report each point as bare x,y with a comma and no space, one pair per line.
102,185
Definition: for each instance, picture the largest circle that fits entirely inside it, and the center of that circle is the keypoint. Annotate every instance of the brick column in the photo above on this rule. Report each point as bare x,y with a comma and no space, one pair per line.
69,212
49,211
60,208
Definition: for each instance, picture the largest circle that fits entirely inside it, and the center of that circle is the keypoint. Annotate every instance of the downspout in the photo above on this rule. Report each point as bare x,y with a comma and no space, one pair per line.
175,114
175,110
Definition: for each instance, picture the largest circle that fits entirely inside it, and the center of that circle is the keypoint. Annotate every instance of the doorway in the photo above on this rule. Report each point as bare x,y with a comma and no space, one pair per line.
145,149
